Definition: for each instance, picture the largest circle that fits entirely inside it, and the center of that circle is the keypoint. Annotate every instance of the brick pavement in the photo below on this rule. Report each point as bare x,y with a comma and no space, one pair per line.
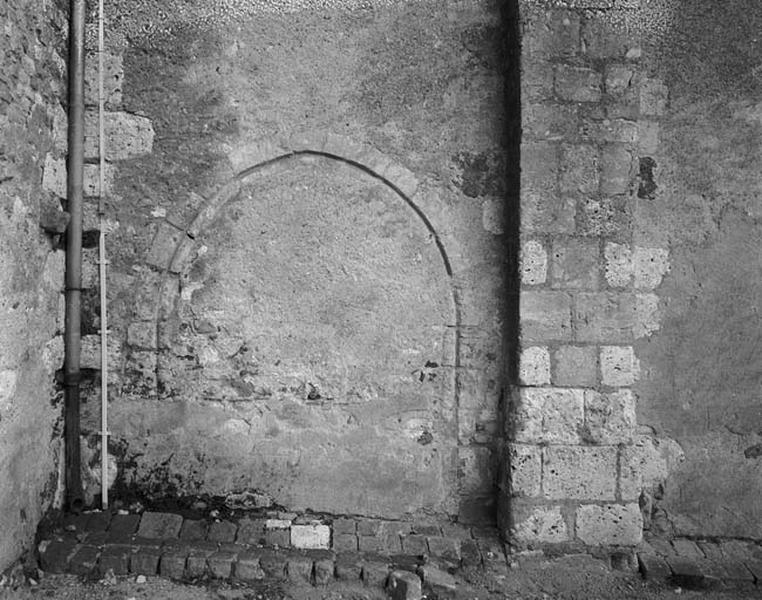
702,563
277,546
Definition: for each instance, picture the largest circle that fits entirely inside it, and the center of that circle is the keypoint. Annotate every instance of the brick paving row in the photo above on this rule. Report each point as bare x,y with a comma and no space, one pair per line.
702,563
254,549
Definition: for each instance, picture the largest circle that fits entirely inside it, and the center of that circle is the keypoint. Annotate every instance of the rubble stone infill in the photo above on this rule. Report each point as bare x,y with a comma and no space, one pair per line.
292,548
701,563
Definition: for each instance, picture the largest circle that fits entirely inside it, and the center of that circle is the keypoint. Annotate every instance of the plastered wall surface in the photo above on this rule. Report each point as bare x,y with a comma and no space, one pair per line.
31,270
701,370
306,270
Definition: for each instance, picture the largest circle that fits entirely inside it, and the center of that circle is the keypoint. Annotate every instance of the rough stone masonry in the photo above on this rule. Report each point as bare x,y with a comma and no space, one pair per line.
311,262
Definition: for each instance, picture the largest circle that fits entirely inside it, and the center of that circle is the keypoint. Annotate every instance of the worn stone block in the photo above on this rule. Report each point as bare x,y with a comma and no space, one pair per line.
653,567
610,35
609,417
126,135
142,334
539,167
444,547
145,561
415,544
575,366
116,558
648,137
618,78
221,564
532,524
194,530
579,169
56,555
375,571
549,415
618,264
323,569
545,316
156,525
653,97
251,531
619,366
547,212
611,524
437,579
608,216
345,543
577,84
574,264
247,567
222,531
687,548
122,527
534,366
647,316
549,120
525,469
99,521
344,526
649,267
579,472
278,537
534,263
368,543
686,571
196,565
84,560
163,246
622,131
616,169
404,585
348,567
310,536
550,34
470,554
172,562
604,317
113,76
273,564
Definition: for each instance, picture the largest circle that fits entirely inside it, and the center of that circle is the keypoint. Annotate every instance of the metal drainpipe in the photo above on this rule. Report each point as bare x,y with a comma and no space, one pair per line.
73,279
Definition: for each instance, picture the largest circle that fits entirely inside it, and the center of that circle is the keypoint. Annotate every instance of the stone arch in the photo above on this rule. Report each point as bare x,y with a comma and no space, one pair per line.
174,245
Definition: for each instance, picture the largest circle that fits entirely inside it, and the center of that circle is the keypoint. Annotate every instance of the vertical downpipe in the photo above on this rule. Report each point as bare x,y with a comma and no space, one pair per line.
73,280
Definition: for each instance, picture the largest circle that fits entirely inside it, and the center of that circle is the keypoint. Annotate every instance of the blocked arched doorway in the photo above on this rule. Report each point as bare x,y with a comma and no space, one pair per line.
312,337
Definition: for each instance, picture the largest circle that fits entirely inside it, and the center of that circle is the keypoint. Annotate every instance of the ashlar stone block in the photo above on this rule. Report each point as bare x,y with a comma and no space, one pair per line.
311,536
534,366
577,84
575,366
545,316
609,417
524,469
549,415
579,472
531,524
610,525
619,366
534,263
574,264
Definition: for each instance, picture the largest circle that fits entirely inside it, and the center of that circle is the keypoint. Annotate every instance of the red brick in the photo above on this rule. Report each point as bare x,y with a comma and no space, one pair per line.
157,525
194,530
116,558
221,564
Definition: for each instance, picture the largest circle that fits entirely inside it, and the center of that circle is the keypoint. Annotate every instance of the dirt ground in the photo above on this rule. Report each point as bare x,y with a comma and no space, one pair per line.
567,578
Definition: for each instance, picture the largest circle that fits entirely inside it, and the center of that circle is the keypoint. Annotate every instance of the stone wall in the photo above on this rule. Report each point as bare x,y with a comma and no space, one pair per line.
589,114
32,125
636,407
306,254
